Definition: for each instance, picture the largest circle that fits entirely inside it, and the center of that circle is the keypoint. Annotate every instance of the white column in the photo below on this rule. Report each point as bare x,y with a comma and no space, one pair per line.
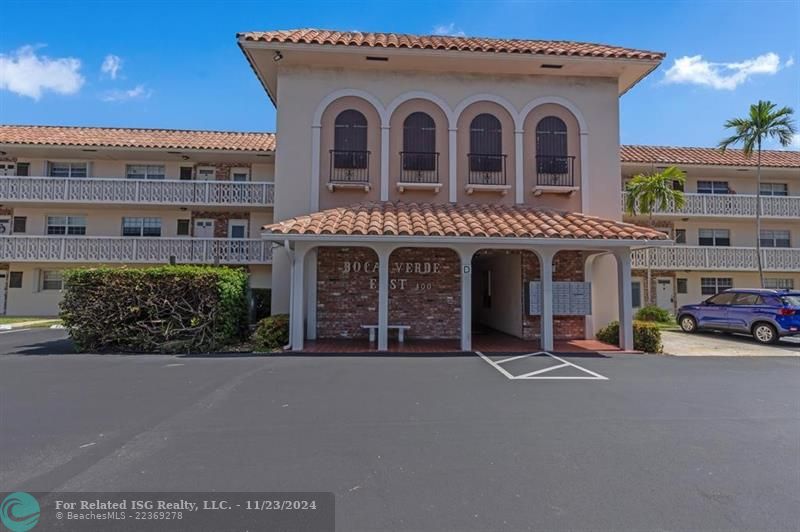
584,172
452,157
519,167
296,318
383,298
311,298
625,299
546,259
384,163
466,299
316,139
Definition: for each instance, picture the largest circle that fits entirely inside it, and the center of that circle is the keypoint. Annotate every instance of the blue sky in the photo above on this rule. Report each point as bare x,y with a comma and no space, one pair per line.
176,64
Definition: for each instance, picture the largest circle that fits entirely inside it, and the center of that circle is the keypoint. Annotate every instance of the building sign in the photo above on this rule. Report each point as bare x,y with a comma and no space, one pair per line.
399,273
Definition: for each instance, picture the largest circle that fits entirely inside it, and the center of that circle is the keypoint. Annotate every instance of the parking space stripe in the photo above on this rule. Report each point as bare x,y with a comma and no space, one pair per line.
539,374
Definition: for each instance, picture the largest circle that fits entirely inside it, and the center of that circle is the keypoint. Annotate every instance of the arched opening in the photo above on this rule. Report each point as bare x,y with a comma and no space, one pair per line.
554,166
486,158
349,156
419,157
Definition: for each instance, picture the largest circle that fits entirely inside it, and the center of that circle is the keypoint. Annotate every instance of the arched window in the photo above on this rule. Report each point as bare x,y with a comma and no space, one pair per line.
419,143
350,140
551,146
485,144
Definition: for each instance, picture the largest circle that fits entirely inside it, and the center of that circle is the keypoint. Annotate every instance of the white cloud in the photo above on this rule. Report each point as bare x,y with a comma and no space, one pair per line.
447,29
112,64
789,62
28,74
795,145
139,92
722,76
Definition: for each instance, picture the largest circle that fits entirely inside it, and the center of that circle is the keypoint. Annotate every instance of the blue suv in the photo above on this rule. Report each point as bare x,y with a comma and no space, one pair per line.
766,314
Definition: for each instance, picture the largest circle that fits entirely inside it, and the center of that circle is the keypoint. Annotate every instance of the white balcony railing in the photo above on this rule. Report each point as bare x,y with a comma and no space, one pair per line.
136,191
146,250
733,205
716,258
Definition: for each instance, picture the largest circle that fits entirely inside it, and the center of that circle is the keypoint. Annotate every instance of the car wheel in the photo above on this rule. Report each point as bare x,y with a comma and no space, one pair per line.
688,324
765,333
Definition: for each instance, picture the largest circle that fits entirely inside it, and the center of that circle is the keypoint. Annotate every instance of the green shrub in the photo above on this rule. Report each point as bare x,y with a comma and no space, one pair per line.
166,309
646,336
272,332
261,303
653,313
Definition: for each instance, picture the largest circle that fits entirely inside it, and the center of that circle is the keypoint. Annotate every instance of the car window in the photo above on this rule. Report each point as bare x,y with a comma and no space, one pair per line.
792,301
721,299
772,301
746,299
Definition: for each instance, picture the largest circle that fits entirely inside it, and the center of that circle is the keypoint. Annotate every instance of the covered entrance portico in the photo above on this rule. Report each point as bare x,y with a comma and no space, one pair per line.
390,233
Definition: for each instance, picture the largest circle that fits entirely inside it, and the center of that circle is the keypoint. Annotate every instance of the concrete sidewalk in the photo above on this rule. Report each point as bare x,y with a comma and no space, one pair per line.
725,345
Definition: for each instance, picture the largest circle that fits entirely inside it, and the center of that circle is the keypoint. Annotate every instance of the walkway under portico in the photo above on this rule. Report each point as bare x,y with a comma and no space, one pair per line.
387,227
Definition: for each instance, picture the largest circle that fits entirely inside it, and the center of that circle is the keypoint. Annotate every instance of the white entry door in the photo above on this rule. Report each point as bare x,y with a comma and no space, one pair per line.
664,297
3,292
203,228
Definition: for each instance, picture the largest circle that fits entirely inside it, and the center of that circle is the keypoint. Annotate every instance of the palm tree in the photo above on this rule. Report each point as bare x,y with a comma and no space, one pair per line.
764,121
646,193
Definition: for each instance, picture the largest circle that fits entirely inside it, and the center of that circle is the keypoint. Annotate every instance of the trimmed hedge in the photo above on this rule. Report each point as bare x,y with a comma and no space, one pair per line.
272,332
653,313
646,336
166,309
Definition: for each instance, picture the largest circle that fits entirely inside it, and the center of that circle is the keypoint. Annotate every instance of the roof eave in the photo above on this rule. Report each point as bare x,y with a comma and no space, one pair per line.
502,242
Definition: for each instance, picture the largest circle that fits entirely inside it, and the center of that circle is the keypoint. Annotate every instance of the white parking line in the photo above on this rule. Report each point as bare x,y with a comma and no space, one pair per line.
13,331
539,374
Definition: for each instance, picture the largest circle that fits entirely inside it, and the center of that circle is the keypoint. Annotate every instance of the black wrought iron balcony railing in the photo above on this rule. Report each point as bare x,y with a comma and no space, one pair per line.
349,166
419,167
555,171
485,169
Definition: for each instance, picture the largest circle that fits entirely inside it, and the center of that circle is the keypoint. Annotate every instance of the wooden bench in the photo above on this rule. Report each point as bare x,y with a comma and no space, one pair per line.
401,330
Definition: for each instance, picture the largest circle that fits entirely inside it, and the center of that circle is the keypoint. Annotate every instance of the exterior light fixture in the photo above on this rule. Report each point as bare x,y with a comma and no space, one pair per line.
277,57
185,157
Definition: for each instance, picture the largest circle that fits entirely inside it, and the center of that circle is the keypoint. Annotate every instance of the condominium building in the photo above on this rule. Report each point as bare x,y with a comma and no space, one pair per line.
425,187
444,186
73,196
715,231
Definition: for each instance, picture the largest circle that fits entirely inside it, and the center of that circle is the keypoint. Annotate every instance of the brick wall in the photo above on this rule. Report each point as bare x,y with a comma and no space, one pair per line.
424,292
221,219
223,170
567,266
428,301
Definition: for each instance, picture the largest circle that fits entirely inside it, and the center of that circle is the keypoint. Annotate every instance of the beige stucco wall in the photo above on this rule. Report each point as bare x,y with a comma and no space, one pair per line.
508,148
102,166
100,222
556,201
344,196
396,146
300,90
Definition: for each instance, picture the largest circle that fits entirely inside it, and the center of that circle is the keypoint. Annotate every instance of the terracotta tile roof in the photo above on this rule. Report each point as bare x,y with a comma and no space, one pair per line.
706,156
444,42
137,138
425,219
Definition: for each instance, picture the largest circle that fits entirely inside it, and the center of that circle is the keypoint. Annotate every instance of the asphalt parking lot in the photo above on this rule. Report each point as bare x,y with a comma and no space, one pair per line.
417,442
